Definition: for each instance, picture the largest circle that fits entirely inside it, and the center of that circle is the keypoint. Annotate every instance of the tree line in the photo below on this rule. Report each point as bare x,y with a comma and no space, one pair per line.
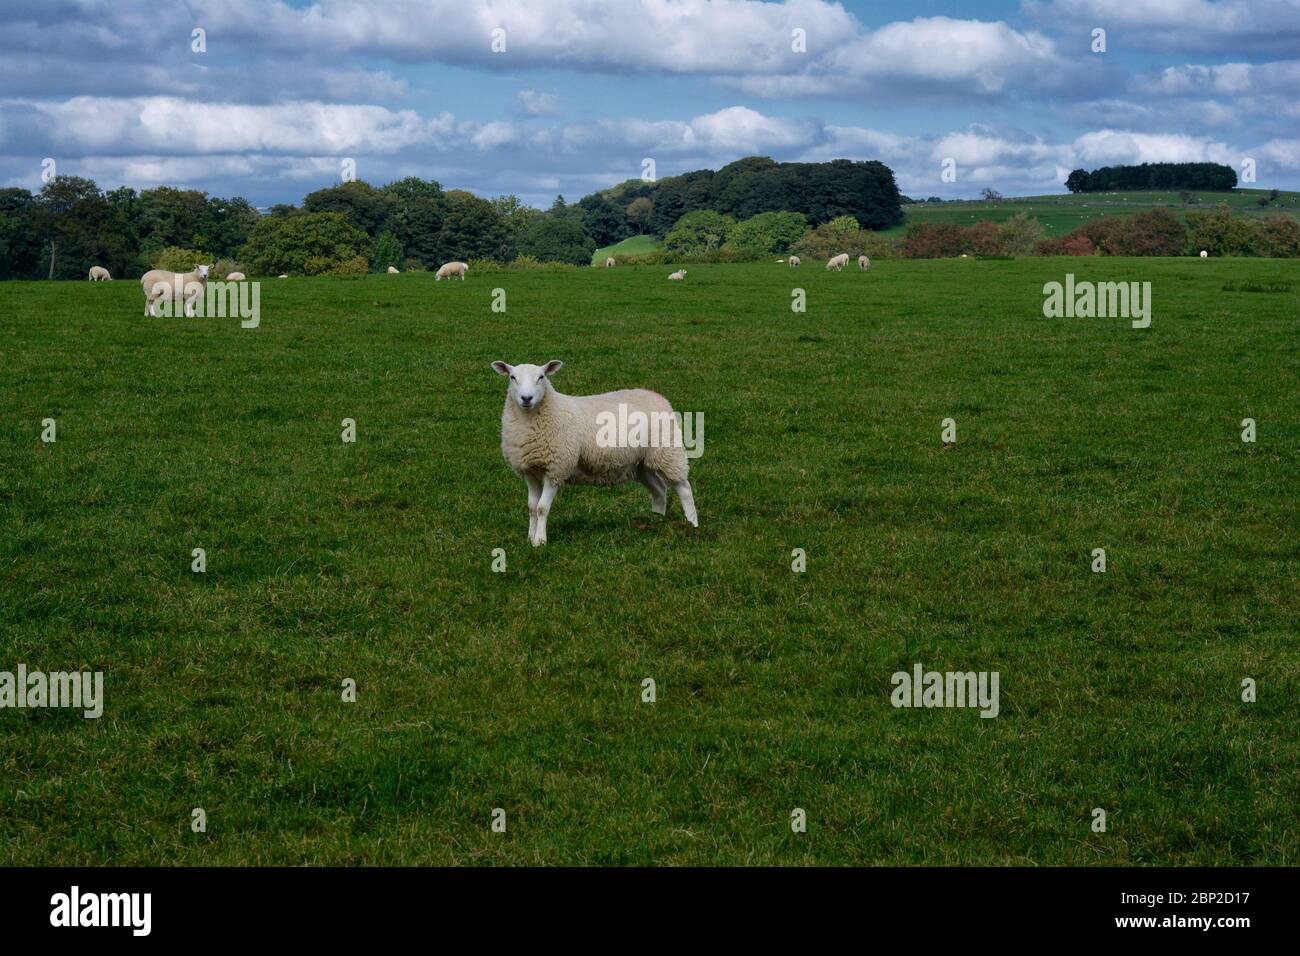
1151,176
354,227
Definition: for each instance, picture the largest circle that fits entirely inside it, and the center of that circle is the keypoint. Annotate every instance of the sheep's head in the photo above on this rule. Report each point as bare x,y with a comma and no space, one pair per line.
528,383
202,271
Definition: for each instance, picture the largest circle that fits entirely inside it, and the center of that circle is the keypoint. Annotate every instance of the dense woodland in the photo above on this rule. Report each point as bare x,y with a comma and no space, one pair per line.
1153,176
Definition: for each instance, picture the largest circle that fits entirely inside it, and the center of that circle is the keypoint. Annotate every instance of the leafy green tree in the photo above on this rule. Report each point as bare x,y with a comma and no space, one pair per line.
557,240
674,197
178,259
419,207
22,245
517,214
77,228
225,225
388,252
474,229
1077,181
767,233
604,220
169,217
411,189
369,209
285,244
10,230
697,232
639,213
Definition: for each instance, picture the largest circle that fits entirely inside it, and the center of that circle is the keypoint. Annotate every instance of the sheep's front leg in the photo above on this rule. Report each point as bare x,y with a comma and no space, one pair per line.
549,491
534,493
683,489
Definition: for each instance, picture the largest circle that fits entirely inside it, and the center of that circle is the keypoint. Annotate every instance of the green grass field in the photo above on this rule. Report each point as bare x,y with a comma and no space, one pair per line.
521,690
631,246
1060,214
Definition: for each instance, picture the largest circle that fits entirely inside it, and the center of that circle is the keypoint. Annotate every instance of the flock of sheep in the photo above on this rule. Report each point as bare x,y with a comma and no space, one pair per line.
156,282
162,284
835,263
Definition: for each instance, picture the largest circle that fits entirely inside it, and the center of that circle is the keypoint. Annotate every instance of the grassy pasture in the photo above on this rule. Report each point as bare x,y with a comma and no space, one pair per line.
521,689
631,246
1060,214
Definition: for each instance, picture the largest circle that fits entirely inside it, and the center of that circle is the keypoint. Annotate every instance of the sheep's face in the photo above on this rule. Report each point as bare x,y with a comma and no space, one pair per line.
202,271
529,384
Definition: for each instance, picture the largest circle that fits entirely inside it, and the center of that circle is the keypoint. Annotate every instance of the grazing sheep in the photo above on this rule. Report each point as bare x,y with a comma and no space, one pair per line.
1204,254
160,284
609,263
283,276
677,276
393,270
838,262
235,277
550,439
451,269
794,261
99,274
864,262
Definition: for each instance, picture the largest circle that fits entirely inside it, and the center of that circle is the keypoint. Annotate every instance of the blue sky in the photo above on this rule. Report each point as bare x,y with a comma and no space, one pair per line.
585,91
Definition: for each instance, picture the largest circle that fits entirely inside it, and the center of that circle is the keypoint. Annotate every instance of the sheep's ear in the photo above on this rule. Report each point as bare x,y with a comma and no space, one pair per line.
501,368
553,366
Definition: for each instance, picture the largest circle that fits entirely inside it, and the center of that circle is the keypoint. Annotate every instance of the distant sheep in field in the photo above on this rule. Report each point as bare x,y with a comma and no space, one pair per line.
451,269
235,277
99,274
393,270
794,261
159,284
677,276
838,262
864,262
1204,254
282,276
550,439
609,263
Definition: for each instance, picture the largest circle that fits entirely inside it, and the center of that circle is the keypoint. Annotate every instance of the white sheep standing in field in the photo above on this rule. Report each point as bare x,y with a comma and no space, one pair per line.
393,270
838,262
550,439
864,262
235,277
160,284
609,263
451,269
677,276
794,261
1204,254
99,274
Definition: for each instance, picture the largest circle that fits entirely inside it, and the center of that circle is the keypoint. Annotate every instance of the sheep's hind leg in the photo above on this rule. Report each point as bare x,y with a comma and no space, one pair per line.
683,489
658,488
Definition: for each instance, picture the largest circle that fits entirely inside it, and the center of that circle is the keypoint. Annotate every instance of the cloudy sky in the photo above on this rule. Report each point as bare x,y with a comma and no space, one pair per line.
585,90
